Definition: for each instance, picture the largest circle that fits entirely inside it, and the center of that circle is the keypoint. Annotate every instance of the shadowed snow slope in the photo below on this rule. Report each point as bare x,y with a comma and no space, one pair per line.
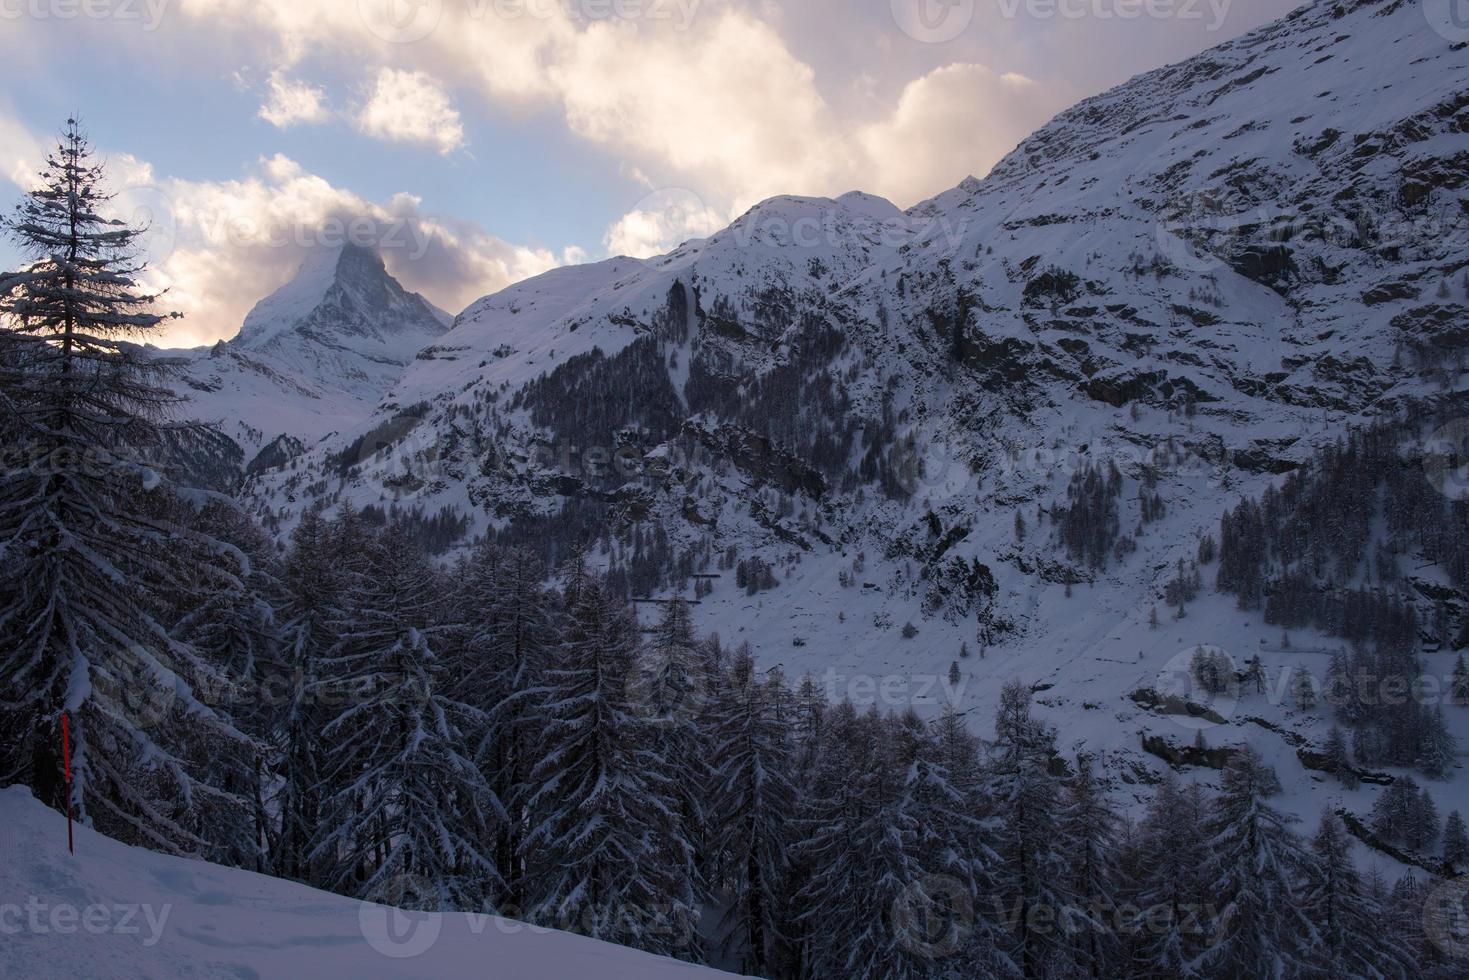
112,910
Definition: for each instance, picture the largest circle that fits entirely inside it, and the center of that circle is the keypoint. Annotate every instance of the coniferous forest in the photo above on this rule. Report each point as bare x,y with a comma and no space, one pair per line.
489,734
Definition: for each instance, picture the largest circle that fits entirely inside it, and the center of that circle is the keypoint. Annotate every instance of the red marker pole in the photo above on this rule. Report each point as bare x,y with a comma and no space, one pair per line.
66,759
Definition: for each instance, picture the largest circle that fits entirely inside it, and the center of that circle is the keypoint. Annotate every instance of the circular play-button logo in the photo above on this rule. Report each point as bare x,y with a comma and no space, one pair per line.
933,21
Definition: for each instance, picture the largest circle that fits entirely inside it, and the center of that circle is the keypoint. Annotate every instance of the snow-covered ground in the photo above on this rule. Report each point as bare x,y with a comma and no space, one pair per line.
114,911
1259,230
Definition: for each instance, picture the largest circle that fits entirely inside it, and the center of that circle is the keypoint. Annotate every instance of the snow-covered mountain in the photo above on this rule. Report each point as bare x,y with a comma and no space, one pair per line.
1204,276
111,910
313,358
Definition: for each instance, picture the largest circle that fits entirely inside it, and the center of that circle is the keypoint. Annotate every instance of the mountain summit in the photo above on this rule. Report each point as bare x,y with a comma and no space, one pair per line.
343,296
313,357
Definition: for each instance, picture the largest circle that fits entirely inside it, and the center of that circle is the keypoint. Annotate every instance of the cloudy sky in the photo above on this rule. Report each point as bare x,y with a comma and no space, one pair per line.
478,142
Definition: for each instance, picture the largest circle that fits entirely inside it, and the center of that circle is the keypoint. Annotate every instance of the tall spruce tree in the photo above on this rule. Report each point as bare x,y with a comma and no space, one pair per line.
1089,832
1455,844
670,686
955,848
1338,759
88,549
862,842
315,578
1173,850
236,630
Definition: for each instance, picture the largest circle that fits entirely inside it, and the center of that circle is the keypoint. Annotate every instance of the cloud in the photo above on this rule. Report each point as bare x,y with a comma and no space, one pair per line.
291,103
219,246
718,100
411,107
955,121
21,154
740,103
727,105
661,222
235,241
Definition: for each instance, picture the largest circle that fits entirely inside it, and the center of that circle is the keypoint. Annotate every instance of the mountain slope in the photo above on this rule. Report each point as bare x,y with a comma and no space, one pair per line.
111,910
313,358
1202,276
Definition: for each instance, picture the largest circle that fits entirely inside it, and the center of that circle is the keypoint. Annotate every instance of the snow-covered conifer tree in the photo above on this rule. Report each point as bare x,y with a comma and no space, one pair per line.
315,583
498,637
1027,796
1459,683
1348,939
862,848
1089,832
1455,843
404,800
752,803
1339,759
1422,829
233,626
605,852
670,686
1395,809
88,551
1438,749
1254,861
1170,883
